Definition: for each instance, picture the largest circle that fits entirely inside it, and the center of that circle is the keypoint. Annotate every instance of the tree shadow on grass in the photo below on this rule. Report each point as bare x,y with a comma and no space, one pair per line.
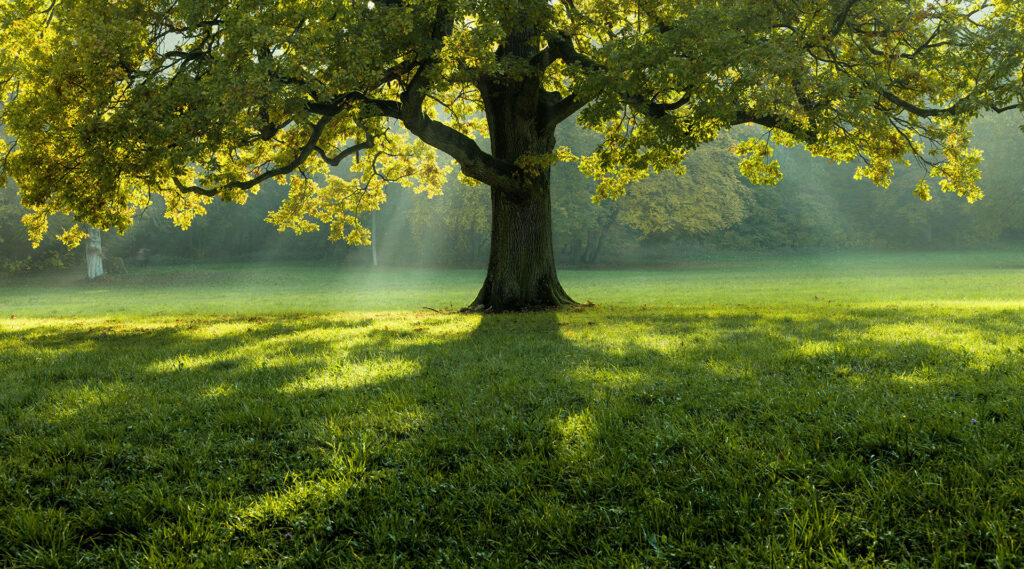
670,438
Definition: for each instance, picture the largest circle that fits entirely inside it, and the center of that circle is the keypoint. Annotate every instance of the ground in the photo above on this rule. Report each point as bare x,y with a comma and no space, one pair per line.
846,410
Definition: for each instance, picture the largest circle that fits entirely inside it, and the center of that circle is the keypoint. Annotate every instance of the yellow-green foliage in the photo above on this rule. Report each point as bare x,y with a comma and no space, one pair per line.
112,102
706,196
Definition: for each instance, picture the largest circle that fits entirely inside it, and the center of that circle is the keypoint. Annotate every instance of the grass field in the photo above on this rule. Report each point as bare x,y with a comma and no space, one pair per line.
847,410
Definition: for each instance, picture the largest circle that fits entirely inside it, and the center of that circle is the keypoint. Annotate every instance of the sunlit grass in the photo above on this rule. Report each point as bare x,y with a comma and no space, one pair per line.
737,429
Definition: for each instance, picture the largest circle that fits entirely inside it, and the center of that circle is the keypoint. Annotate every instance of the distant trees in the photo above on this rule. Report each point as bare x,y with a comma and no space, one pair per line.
816,205
710,196
108,103
450,229
16,253
820,205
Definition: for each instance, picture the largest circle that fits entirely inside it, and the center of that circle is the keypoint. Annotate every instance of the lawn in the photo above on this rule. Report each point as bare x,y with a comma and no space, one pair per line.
846,410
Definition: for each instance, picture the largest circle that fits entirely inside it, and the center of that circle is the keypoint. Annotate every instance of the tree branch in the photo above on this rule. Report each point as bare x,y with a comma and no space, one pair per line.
564,108
658,110
311,145
953,109
337,158
474,161
773,122
561,47
840,21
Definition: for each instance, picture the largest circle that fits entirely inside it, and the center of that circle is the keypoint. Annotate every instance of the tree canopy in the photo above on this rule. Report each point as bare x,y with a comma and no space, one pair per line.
108,103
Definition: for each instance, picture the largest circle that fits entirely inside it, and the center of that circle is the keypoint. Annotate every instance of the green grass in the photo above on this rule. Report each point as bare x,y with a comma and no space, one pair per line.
717,416
959,278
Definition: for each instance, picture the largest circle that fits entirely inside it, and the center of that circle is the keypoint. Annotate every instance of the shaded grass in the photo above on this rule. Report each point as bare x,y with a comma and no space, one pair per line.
743,422
831,436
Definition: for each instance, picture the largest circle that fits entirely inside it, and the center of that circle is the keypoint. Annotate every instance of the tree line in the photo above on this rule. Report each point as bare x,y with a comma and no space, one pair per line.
107,104
817,205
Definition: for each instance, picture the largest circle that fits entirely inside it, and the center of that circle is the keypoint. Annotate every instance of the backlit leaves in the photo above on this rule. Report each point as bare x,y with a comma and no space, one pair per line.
757,165
111,103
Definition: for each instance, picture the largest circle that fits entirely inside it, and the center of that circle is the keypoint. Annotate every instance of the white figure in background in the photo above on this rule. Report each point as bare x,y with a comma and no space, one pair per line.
94,254
373,236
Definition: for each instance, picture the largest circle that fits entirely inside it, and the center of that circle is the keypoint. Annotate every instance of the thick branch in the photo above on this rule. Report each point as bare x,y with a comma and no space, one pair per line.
543,58
661,109
474,161
184,56
840,20
561,47
409,110
311,145
954,109
337,158
773,122
565,108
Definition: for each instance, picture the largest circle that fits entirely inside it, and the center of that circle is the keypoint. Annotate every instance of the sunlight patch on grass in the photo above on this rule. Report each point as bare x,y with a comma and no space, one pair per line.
816,348
185,363
274,513
70,402
353,374
577,432
723,368
781,432
222,390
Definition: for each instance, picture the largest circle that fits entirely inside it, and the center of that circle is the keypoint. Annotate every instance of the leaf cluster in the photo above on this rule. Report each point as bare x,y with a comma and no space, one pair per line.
107,104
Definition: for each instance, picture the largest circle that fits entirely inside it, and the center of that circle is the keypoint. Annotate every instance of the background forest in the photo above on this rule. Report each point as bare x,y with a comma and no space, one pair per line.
817,206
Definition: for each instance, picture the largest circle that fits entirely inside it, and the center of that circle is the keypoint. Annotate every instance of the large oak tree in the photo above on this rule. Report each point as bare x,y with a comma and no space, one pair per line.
107,103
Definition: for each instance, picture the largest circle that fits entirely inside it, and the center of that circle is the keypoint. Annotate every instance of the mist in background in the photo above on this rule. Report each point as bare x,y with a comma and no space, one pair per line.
661,221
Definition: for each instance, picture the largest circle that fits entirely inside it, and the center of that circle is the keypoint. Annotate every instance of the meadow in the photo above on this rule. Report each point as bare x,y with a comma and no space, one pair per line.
845,410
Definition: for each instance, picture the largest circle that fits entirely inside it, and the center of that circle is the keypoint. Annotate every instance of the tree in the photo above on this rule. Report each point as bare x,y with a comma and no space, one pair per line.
450,227
111,102
15,252
710,196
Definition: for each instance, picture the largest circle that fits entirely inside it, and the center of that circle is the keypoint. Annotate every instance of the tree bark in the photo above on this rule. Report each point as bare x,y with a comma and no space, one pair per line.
521,271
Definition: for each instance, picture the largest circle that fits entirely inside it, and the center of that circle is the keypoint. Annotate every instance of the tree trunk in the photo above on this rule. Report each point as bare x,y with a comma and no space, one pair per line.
521,269
594,241
521,266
